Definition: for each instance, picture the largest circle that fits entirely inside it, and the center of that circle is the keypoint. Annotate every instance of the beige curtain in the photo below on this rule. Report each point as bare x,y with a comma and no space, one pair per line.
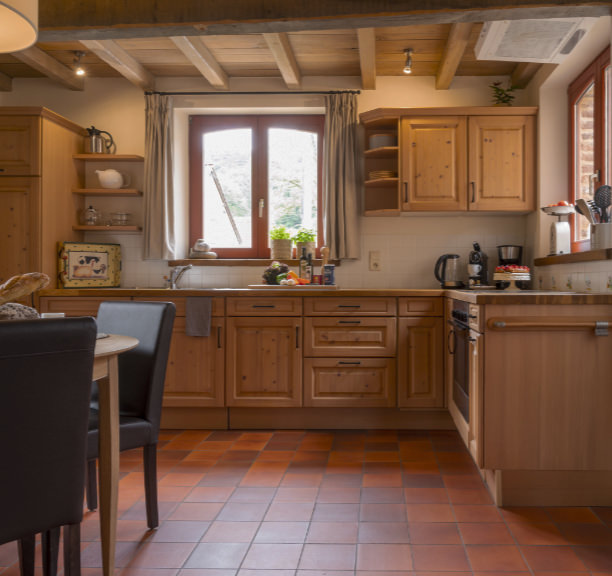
341,179
159,241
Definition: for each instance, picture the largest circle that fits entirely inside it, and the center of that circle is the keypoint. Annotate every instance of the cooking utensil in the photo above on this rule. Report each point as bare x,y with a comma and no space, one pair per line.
585,208
603,198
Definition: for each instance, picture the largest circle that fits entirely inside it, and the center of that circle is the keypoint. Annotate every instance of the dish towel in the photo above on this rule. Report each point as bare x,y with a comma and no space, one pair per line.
197,316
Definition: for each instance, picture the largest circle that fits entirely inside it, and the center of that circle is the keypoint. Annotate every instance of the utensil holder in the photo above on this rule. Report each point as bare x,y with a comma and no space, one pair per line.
601,236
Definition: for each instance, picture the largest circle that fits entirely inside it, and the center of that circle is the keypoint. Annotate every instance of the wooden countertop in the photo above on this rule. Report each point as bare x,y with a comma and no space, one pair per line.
472,296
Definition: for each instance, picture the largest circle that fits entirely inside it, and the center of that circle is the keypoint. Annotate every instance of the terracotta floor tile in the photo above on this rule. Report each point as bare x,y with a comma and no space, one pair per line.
231,532
328,557
296,494
217,555
332,533
468,513
273,556
344,468
133,531
209,494
335,512
604,513
466,482
348,480
439,558
252,494
469,496
587,534
200,512
382,512
596,558
425,495
180,531
384,557
570,514
275,455
161,555
249,445
434,533
537,533
388,479
241,455
243,511
559,558
485,533
381,456
340,495
495,558
381,494
181,479
310,456
422,480
293,479
429,513
429,466
282,532
264,474
289,512
344,457
383,533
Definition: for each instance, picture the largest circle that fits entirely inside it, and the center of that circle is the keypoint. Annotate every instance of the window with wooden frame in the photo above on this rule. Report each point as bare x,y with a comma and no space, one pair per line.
590,105
249,174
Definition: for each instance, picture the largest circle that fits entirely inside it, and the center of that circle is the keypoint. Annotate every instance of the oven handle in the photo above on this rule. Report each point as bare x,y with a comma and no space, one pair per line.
451,333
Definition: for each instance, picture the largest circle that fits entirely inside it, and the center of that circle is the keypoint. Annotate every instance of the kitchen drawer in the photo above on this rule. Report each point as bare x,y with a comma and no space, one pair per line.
217,304
349,306
76,306
420,306
349,336
257,306
350,382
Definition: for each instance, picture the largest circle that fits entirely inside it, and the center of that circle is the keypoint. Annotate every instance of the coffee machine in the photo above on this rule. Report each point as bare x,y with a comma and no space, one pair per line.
509,254
478,273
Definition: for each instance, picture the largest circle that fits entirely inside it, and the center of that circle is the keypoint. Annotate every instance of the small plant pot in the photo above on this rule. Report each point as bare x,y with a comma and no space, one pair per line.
310,248
280,249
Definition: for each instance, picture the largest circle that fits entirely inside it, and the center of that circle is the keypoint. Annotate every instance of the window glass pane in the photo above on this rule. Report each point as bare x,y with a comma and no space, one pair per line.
292,179
227,198
608,125
584,111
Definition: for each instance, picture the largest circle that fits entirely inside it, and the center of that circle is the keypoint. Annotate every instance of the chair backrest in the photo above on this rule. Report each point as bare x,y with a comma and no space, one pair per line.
45,383
142,371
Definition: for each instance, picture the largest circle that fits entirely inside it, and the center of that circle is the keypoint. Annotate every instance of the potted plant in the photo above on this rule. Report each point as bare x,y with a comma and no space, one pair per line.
280,243
305,238
502,96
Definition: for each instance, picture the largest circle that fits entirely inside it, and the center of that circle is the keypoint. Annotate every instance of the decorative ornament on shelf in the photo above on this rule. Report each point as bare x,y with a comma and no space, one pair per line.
502,96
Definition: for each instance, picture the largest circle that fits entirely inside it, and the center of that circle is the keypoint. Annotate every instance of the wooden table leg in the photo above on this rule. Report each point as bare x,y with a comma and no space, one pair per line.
109,463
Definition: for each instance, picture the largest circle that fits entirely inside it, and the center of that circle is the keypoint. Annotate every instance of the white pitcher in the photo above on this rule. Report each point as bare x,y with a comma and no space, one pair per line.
111,178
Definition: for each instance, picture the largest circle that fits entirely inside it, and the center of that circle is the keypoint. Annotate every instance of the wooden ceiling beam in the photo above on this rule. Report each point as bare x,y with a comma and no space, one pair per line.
6,83
366,38
523,73
50,67
116,57
285,58
456,44
201,57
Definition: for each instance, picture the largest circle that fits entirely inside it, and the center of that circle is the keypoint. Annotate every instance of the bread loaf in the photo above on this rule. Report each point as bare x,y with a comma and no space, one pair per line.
23,285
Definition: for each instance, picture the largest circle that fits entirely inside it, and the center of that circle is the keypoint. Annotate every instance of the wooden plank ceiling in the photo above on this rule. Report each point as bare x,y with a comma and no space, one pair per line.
443,49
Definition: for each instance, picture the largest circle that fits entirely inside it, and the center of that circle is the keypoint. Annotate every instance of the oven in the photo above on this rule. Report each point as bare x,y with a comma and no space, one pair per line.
459,347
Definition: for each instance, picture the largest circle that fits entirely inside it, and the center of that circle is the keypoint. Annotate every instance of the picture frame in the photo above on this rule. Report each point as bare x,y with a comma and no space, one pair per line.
88,265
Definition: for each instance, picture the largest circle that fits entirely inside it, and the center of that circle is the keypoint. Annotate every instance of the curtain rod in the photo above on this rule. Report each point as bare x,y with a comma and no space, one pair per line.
248,93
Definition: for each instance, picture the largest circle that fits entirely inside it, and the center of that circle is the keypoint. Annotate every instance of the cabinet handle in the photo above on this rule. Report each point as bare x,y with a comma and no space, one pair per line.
349,321
451,334
349,306
473,185
342,363
297,337
263,306
219,346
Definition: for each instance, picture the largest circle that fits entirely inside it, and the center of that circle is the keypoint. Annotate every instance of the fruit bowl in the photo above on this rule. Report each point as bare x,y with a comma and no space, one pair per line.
558,210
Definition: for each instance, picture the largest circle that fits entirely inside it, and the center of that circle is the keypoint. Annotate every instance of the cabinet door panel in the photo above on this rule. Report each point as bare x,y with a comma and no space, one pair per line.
501,166
264,362
20,146
195,372
421,366
433,163
366,382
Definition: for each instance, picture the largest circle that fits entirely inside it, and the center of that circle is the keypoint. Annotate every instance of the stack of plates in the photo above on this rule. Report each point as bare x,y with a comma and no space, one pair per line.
377,174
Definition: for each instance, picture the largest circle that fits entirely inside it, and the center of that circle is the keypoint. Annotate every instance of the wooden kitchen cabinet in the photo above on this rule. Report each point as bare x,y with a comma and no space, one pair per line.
36,176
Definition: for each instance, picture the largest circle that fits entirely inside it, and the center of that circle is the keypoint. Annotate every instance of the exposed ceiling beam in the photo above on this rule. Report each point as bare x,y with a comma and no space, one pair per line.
366,38
120,60
78,20
6,83
456,44
201,57
285,58
50,67
523,73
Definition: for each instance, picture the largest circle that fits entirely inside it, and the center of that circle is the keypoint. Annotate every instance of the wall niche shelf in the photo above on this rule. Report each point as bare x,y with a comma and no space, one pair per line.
109,192
109,157
110,228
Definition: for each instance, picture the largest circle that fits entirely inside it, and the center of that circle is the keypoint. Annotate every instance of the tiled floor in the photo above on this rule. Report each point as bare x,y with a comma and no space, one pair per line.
296,503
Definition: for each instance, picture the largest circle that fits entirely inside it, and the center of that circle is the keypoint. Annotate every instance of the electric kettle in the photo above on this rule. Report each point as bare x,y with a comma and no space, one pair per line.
447,271
95,143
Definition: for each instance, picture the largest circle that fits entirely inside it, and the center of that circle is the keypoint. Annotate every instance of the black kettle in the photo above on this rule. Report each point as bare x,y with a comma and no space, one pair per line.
95,143
447,271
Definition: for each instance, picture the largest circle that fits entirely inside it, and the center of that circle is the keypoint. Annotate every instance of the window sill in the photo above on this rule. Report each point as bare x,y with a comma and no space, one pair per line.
237,262
588,256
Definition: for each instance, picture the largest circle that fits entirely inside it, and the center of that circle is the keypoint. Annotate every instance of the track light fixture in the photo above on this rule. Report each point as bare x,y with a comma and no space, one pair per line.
78,68
408,64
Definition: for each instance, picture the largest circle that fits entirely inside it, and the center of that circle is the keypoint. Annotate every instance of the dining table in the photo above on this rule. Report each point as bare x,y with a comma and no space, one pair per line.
106,373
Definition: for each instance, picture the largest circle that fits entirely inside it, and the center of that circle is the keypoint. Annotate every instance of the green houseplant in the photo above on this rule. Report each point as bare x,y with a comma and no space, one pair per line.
280,243
502,96
305,238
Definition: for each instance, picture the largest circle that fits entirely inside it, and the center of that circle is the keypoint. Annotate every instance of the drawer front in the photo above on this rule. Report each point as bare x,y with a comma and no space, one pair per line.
217,304
264,306
367,382
420,306
76,306
349,336
349,306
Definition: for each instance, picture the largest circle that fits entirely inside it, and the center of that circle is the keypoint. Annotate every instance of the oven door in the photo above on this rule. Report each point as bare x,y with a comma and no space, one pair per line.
459,347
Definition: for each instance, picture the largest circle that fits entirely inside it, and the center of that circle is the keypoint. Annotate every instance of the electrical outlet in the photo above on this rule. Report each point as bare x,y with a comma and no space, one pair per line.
375,265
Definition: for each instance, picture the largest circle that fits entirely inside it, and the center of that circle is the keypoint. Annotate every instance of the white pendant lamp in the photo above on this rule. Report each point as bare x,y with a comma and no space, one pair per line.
18,24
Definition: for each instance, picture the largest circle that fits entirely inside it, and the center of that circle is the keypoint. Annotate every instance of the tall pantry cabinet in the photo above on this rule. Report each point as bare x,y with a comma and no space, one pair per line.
37,175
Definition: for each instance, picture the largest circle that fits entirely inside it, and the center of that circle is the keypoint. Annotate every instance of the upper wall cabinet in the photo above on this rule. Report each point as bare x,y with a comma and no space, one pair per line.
20,146
455,159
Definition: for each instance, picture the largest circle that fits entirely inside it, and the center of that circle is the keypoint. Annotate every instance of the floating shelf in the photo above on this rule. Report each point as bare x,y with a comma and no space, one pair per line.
382,212
382,182
382,152
101,228
111,192
108,157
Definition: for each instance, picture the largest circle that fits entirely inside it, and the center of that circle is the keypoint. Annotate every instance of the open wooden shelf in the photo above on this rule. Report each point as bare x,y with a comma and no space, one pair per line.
110,192
109,157
378,182
382,152
111,228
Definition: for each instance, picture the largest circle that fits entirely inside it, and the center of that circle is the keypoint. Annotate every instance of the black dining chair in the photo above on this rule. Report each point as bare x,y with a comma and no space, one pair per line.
142,372
45,386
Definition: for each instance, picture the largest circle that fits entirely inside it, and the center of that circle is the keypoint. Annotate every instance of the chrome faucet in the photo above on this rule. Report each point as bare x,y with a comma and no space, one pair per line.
176,274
